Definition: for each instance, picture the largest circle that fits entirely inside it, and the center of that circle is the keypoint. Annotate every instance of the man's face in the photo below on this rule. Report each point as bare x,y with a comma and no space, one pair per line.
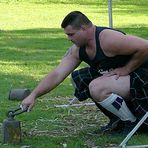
77,36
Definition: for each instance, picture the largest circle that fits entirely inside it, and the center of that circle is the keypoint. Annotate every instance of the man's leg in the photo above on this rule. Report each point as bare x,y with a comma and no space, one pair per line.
109,93
85,76
114,122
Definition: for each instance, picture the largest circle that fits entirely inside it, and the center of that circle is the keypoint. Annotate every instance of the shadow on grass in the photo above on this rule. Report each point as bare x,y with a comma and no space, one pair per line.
28,55
44,40
132,4
13,80
33,44
80,2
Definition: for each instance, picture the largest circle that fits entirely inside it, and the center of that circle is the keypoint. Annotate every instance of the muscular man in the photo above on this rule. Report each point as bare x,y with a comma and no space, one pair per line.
116,78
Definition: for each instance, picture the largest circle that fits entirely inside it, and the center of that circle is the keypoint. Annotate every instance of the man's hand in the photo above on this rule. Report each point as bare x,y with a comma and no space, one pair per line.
122,71
28,103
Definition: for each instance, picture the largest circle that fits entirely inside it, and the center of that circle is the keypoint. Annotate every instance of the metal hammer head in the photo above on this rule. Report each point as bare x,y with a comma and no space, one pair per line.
18,94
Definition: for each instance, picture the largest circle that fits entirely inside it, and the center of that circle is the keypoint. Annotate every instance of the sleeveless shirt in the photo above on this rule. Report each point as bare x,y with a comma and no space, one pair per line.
101,61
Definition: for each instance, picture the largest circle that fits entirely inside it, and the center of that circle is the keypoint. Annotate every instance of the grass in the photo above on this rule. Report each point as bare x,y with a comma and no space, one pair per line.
32,44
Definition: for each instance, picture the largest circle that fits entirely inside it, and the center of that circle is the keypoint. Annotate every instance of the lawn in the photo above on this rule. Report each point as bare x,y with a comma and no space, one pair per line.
32,44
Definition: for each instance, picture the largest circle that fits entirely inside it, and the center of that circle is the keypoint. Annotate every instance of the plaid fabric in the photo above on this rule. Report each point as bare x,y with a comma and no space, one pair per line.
138,90
81,79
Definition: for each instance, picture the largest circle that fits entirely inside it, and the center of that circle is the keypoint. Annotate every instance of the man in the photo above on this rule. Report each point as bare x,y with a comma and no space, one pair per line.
116,78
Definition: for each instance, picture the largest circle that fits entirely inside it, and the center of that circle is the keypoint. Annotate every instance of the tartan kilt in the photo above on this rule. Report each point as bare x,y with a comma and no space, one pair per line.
81,79
139,92
138,88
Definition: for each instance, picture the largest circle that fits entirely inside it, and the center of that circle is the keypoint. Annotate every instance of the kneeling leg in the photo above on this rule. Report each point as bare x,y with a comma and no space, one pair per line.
109,93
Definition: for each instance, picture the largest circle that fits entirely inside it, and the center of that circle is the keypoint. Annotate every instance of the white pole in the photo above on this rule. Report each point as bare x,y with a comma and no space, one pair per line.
110,13
75,105
123,143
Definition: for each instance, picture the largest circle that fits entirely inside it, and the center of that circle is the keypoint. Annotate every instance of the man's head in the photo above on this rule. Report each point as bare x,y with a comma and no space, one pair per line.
76,26
75,19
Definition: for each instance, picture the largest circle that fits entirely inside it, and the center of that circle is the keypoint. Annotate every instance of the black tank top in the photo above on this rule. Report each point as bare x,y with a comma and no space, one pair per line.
101,61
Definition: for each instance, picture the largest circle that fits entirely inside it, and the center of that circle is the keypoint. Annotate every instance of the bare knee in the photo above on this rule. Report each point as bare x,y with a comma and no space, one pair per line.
97,90
100,88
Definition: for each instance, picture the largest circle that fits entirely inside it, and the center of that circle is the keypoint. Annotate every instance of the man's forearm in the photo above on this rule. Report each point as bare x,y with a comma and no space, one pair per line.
136,60
46,85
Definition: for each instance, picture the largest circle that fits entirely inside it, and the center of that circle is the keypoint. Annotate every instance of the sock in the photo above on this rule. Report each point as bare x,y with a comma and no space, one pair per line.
106,112
116,105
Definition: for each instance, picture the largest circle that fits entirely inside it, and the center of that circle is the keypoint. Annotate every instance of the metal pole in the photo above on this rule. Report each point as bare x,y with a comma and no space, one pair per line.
110,13
75,105
123,143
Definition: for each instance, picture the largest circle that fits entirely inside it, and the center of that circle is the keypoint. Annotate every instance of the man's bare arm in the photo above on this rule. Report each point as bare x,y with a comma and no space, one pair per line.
116,43
54,78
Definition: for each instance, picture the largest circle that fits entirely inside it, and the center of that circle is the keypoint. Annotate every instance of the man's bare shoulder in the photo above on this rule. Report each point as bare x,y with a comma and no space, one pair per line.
72,51
108,36
70,60
116,43
108,39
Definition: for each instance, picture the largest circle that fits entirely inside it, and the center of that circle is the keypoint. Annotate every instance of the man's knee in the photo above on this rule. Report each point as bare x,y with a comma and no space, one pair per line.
97,90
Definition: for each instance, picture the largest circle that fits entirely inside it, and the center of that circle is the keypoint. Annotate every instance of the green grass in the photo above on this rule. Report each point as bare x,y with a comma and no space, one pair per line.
32,44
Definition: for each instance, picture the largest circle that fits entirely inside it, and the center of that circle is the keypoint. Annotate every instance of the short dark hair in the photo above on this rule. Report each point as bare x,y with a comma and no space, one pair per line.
75,19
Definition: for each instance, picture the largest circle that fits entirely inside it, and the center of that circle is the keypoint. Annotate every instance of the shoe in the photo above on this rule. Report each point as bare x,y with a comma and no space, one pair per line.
124,127
112,125
143,129
128,126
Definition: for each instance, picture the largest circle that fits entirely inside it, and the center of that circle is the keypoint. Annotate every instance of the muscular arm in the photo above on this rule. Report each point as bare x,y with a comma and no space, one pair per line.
54,78
115,43
69,62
